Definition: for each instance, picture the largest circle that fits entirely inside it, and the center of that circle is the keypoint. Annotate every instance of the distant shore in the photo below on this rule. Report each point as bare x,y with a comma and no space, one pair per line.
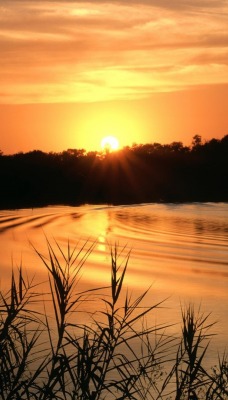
149,173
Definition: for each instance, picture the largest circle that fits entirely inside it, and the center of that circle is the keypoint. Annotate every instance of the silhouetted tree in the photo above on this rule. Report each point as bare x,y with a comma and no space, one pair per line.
196,142
141,173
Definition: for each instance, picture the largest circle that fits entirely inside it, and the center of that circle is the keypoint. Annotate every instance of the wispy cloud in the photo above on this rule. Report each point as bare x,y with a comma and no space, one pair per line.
87,51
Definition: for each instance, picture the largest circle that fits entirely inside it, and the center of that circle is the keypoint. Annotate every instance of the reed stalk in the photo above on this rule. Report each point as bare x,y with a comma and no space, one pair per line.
116,355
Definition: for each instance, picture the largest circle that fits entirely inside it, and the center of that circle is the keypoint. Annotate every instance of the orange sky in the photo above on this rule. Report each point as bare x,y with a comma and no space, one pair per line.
72,72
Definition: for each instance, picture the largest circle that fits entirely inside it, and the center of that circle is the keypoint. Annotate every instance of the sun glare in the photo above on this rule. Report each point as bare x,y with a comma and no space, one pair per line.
109,143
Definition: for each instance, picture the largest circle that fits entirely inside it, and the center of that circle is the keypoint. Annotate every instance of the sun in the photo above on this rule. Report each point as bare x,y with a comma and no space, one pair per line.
109,143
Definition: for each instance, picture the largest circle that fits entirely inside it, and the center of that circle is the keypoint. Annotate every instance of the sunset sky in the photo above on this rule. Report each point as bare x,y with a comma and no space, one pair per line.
72,72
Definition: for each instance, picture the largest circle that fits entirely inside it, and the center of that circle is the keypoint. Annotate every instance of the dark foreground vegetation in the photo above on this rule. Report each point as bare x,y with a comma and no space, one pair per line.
117,354
141,173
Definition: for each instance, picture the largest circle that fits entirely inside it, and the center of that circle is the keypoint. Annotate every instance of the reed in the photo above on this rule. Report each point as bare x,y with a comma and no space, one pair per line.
116,355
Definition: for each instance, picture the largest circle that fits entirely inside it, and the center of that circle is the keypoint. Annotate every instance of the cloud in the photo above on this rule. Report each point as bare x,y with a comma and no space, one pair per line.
219,58
87,51
153,3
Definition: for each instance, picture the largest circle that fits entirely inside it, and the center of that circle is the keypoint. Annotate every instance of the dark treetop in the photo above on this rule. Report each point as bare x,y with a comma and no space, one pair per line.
141,173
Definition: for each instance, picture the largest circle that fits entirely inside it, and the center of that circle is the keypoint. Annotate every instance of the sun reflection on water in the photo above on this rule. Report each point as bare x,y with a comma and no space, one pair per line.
173,248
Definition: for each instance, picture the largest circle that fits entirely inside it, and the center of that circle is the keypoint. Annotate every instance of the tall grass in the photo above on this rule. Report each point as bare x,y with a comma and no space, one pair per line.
117,354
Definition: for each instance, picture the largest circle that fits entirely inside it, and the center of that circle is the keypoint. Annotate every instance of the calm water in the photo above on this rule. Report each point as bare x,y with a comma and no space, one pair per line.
182,250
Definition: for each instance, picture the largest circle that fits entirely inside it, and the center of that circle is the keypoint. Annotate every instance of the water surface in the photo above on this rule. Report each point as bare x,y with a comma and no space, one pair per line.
179,249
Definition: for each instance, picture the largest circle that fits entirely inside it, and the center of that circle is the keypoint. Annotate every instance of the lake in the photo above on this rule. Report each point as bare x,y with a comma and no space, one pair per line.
179,249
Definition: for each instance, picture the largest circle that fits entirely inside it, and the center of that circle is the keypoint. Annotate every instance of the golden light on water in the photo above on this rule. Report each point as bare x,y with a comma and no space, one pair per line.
168,251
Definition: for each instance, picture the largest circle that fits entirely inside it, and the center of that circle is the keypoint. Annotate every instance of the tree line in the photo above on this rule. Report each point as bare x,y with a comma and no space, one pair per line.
139,173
